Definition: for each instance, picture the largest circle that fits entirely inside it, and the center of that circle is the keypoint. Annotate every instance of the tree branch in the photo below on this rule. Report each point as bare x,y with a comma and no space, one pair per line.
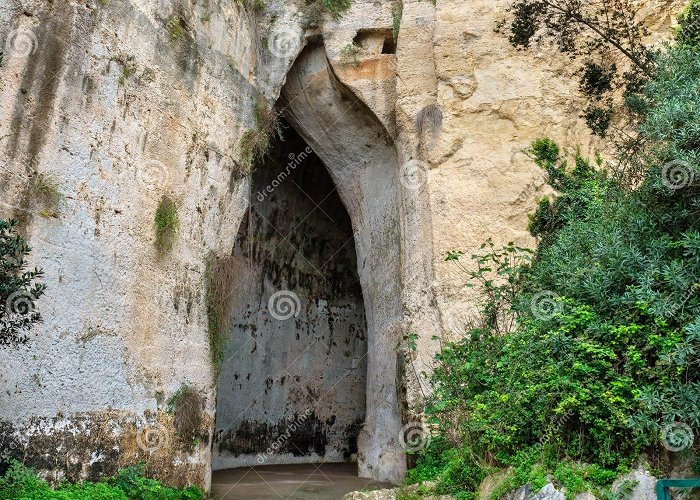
615,43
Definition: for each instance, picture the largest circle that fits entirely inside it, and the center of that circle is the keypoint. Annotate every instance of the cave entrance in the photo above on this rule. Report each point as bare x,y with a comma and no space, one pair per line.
292,387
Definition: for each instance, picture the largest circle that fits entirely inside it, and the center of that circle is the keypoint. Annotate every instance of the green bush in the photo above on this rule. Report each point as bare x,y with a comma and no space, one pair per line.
689,24
581,356
18,287
336,7
166,223
22,483
132,482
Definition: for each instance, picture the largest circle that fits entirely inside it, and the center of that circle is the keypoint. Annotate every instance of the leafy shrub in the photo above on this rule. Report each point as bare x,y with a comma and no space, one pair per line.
133,483
18,287
166,223
21,482
581,356
689,25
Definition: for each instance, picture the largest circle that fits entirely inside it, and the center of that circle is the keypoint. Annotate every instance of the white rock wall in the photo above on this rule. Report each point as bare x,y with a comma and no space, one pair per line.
124,326
123,102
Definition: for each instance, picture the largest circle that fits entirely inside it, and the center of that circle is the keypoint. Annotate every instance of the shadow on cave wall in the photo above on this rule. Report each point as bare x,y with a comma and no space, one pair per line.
292,386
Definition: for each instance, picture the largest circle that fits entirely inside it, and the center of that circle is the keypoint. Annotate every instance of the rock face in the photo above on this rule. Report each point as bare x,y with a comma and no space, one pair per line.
644,484
548,492
125,102
299,334
411,491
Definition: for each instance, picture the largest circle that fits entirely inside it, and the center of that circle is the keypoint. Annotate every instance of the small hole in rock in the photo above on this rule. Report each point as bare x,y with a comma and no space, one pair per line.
389,46
375,41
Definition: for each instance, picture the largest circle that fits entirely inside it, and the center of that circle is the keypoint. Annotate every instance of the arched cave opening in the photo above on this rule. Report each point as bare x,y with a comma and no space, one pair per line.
292,386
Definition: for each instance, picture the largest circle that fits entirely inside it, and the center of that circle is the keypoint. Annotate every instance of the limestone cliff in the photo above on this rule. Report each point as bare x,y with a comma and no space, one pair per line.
122,103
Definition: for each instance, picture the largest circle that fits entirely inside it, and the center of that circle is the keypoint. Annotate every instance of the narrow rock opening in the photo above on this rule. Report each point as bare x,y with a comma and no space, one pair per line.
292,384
362,160
389,46
376,41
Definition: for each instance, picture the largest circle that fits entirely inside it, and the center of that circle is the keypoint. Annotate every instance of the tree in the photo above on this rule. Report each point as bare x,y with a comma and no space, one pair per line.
18,287
592,29
689,25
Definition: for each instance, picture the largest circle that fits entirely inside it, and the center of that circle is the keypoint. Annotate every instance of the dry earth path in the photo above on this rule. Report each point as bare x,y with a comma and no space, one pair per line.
290,482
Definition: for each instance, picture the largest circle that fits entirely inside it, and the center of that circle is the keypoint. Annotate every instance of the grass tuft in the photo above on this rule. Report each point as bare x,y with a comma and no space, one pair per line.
47,191
348,54
219,275
186,406
166,223
336,7
127,64
255,143
177,27
397,14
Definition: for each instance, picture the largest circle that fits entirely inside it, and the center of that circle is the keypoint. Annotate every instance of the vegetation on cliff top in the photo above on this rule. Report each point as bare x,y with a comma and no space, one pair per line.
585,356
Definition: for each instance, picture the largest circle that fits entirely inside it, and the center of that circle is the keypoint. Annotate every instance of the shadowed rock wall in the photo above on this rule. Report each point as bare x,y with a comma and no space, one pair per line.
362,160
292,387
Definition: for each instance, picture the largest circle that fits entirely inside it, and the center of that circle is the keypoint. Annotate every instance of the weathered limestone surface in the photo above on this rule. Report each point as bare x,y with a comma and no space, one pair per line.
124,102
292,387
120,108
363,162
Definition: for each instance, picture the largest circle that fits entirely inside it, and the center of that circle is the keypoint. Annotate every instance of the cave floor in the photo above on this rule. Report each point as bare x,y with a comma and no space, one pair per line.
303,481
